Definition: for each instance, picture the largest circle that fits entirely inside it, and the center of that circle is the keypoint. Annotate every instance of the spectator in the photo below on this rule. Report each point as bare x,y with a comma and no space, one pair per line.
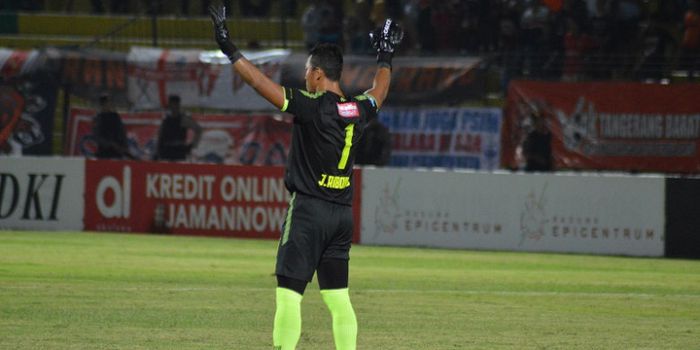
653,56
576,45
322,22
577,10
424,24
600,29
537,147
509,44
172,136
356,28
534,24
393,9
310,24
626,16
184,7
288,8
374,147
109,132
97,6
446,21
488,25
205,6
255,8
331,24
410,23
469,27
377,13
118,6
26,5
690,46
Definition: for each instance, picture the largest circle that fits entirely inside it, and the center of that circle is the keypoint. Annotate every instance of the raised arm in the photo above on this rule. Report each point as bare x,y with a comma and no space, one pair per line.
380,85
385,40
263,85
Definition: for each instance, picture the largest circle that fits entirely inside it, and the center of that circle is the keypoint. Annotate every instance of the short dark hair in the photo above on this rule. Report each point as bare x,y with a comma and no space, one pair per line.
174,99
328,57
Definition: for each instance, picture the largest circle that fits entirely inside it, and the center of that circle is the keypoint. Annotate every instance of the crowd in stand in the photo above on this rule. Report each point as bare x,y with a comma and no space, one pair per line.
567,39
247,8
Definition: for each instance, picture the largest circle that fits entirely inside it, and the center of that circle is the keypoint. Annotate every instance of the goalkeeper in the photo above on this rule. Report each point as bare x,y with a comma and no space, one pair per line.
317,231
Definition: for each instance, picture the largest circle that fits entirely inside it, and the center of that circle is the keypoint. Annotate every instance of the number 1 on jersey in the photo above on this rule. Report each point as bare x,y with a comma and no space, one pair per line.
349,130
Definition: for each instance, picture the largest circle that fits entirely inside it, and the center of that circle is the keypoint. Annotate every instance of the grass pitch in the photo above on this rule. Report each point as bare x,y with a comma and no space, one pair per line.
116,291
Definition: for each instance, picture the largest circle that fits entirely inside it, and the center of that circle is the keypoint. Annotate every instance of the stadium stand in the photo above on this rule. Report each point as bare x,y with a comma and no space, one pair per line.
119,32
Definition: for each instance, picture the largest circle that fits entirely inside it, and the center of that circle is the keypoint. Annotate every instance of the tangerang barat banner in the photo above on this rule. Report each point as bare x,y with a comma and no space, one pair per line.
607,126
238,139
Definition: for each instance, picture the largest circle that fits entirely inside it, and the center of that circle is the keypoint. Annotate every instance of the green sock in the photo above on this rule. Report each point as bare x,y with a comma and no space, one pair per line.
287,328
344,321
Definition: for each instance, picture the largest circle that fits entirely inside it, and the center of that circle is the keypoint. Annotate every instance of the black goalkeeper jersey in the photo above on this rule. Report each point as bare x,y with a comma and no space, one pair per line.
326,127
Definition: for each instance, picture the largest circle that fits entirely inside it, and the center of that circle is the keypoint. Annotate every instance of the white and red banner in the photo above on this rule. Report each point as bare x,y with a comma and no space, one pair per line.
190,199
608,126
618,215
28,92
444,137
41,193
239,139
201,78
14,63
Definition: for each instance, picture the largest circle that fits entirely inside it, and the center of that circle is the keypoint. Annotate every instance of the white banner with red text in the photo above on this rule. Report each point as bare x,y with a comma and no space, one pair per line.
619,215
201,78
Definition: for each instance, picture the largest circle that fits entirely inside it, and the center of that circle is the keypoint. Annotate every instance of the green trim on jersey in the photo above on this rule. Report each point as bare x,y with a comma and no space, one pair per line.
286,101
312,95
288,221
349,130
367,97
362,97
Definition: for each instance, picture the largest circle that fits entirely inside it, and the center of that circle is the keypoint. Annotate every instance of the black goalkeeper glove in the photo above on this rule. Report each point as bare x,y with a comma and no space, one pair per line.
218,17
385,40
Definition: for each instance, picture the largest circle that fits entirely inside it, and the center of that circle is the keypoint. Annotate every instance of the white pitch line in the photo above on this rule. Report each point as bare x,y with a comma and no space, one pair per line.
530,293
402,291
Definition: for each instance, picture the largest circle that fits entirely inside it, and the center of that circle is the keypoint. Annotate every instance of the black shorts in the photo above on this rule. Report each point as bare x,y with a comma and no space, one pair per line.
314,229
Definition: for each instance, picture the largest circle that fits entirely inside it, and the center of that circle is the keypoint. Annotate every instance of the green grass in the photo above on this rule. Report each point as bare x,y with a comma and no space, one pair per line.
115,291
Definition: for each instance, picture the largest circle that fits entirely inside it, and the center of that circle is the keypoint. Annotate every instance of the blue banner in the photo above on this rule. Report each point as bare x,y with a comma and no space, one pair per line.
444,137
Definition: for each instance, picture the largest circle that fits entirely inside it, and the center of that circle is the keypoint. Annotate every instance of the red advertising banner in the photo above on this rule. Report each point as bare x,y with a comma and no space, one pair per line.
239,139
608,126
190,199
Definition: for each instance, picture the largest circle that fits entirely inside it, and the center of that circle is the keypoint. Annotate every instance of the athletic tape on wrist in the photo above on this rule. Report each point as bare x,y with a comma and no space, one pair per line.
237,55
